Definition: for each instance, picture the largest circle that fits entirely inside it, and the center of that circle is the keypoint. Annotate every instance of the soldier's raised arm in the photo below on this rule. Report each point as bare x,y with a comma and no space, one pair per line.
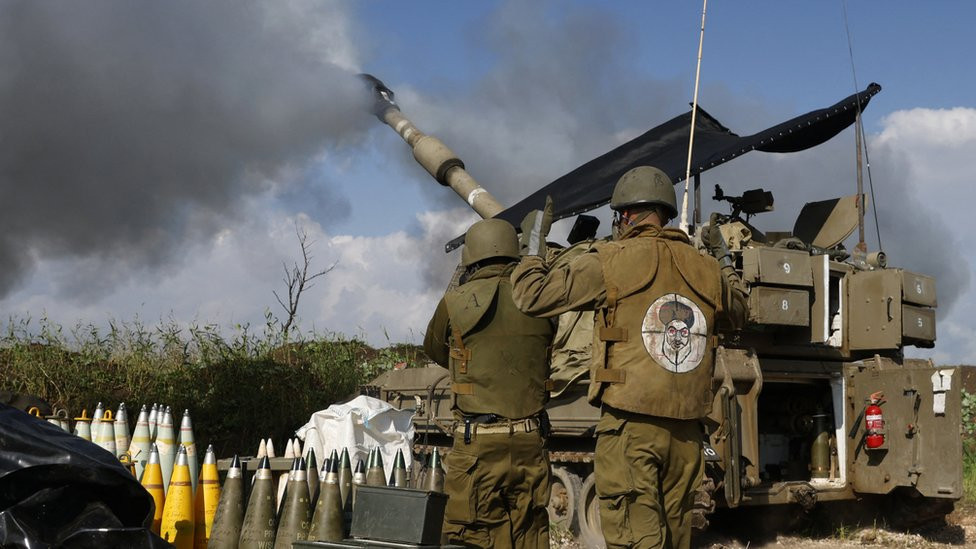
436,338
734,306
539,290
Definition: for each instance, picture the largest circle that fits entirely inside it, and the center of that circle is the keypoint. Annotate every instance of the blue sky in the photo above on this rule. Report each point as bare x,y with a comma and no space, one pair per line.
778,58
187,141
790,53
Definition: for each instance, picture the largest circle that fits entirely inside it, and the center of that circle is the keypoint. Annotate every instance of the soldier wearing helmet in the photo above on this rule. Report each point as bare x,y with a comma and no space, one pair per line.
497,472
656,300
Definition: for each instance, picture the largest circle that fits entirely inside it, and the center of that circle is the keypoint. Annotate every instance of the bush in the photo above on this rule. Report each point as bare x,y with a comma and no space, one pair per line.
238,389
969,446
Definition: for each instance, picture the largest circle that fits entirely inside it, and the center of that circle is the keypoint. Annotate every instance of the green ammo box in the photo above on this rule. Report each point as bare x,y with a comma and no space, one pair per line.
398,514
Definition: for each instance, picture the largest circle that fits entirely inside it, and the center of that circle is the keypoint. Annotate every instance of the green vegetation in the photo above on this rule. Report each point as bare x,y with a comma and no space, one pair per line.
969,446
239,388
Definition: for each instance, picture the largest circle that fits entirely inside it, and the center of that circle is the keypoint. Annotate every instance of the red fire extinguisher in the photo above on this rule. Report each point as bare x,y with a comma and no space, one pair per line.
874,422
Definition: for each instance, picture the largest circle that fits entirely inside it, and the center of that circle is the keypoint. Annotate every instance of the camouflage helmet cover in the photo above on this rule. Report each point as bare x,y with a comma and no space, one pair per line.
644,185
489,238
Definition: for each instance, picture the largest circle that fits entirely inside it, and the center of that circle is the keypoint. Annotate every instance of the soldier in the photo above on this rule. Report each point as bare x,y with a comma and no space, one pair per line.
656,300
498,471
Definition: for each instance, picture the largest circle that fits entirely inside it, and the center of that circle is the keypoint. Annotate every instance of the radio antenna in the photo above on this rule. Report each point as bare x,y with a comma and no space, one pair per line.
691,134
862,145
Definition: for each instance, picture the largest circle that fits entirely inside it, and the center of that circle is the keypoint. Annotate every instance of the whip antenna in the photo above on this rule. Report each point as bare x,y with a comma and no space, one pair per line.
862,144
694,112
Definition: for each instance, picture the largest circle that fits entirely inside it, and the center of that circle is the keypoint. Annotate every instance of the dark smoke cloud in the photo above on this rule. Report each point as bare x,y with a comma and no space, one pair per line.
562,88
128,128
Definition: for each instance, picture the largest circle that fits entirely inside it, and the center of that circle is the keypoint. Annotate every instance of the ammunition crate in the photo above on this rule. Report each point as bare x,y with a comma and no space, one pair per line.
918,289
779,306
399,515
779,266
918,324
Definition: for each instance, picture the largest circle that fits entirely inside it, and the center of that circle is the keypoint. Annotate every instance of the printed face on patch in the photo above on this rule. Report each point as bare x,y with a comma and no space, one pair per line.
675,333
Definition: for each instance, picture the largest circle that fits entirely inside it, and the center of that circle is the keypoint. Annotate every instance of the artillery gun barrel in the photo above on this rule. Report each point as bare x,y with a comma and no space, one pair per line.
431,153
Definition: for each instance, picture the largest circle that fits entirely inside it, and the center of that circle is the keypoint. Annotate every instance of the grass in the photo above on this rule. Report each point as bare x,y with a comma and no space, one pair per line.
969,448
969,472
238,387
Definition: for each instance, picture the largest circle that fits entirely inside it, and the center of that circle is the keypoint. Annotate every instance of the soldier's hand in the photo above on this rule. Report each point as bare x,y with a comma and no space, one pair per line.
535,228
713,240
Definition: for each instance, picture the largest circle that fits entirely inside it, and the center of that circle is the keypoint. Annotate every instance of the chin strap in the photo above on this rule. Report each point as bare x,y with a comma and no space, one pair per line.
620,234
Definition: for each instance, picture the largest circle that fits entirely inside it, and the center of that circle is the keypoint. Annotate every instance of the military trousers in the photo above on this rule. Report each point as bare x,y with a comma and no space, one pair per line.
498,490
647,472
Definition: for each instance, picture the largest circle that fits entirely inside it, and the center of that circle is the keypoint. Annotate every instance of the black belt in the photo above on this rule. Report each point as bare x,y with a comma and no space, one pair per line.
477,420
496,423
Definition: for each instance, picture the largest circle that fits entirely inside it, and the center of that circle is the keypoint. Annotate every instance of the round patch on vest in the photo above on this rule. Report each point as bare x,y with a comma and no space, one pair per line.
675,333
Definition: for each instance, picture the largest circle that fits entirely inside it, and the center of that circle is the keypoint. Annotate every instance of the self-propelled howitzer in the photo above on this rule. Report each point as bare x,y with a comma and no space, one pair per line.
814,402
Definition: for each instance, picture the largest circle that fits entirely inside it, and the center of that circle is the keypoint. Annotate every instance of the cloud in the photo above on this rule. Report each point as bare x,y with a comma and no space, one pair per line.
387,286
931,149
383,288
155,158
543,107
131,129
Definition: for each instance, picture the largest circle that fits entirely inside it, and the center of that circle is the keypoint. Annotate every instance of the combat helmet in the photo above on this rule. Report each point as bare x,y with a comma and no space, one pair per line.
489,238
644,185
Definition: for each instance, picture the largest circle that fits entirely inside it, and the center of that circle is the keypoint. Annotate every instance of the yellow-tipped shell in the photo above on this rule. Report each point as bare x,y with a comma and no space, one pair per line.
207,498
152,481
177,526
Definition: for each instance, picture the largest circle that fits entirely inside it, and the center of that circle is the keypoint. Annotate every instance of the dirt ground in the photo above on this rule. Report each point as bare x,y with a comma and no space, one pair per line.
958,531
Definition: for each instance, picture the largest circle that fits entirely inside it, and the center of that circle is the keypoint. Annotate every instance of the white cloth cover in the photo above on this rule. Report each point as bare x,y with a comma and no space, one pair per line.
360,425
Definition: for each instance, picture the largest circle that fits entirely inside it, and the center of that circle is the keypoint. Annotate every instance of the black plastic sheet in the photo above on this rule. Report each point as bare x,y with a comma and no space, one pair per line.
57,490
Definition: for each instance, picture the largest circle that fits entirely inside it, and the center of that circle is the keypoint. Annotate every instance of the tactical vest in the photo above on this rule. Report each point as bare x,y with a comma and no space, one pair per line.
653,343
499,357
571,343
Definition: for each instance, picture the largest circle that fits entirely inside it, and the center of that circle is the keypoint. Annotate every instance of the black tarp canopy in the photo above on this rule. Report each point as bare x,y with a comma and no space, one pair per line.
666,147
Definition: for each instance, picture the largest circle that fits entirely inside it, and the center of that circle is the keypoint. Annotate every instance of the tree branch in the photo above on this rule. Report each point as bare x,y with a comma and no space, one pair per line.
297,280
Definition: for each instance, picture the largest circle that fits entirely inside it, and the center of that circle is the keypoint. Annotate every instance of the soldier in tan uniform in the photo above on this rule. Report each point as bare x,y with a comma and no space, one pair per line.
656,300
498,477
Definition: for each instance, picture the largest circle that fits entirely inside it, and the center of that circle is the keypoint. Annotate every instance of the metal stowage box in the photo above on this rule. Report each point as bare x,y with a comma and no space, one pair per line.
918,324
918,289
398,514
779,306
777,266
